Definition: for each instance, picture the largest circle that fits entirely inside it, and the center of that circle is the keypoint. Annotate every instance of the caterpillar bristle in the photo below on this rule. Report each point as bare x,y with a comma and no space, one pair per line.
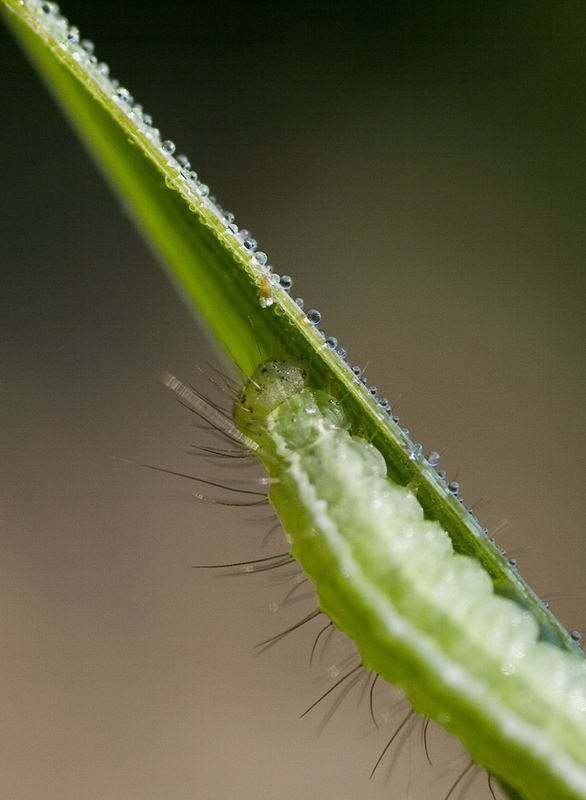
401,727
266,643
459,780
250,562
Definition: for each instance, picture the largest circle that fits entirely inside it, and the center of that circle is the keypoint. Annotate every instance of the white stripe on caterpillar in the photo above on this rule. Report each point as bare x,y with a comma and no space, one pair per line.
422,616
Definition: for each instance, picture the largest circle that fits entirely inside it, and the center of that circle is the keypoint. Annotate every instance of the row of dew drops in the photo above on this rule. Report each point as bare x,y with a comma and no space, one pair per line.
67,37
82,51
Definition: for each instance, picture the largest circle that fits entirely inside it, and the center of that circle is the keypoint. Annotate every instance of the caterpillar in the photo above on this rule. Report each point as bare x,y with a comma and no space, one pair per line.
464,648
421,615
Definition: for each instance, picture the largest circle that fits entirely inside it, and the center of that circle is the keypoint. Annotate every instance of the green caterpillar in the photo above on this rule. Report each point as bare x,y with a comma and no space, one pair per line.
422,616
453,631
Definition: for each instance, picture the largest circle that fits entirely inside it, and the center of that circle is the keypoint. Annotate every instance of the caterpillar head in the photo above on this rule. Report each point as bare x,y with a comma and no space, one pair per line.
270,385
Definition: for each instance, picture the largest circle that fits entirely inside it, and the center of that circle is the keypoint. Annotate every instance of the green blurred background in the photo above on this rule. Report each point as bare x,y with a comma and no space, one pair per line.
419,168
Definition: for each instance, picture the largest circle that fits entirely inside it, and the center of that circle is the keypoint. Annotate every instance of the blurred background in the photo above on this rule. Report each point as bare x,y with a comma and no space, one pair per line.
419,168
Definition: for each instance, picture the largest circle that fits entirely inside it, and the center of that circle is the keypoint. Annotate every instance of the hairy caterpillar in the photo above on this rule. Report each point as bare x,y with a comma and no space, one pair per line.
265,290
421,615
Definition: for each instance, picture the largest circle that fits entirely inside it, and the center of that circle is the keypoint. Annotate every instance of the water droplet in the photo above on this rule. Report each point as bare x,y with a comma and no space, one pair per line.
184,161
203,189
249,243
576,636
441,473
168,147
356,370
103,69
300,302
147,119
313,316
384,404
286,283
433,458
453,487
331,342
88,46
416,452
229,217
73,35
341,352
122,95
261,258
513,562
373,390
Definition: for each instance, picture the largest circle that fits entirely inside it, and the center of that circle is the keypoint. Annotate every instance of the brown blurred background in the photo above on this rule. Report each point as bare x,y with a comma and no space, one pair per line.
419,169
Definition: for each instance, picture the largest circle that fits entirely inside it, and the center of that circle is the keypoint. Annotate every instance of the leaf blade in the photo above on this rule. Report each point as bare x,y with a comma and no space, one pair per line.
221,285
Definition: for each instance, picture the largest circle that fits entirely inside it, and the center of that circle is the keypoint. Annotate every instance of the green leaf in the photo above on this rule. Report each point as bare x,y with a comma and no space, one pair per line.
224,284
